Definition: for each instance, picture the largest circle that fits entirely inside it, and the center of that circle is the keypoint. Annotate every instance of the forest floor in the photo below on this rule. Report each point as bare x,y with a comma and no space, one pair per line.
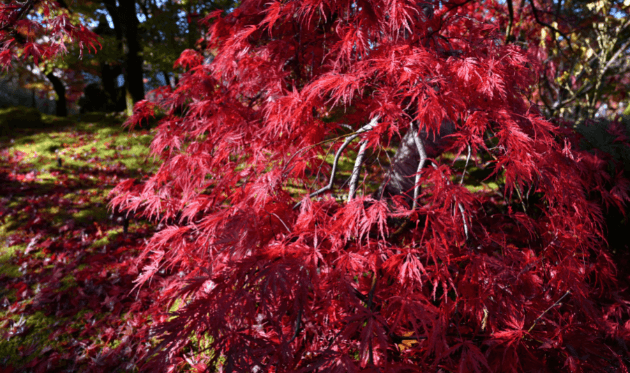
67,270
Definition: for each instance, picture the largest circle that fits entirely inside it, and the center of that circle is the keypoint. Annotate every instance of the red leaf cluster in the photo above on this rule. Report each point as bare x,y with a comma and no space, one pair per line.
512,278
41,37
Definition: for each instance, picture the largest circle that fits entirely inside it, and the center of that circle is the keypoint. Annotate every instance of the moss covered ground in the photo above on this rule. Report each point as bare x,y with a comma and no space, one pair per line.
66,268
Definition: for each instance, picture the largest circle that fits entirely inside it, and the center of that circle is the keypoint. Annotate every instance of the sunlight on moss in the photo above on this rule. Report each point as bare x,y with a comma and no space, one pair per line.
67,283
110,236
346,161
7,252
484,187
7,268
37,329
86,145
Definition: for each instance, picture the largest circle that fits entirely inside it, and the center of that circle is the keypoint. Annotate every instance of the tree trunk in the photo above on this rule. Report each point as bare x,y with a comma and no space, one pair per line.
109,75
399,179
134,76
126,28
60,90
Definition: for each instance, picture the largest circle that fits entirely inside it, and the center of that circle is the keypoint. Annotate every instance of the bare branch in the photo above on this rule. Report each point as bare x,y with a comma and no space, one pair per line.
357,170
621,49
465,166
297,325
423,158
343,146
542,23
463,212
281,221
459,206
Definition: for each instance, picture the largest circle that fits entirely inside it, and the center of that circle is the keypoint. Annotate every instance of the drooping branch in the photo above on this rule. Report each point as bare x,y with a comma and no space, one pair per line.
343,146
357,170
459,205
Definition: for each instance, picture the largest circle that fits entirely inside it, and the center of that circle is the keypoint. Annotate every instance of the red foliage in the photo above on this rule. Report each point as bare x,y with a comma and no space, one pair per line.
516,279
511,280
39,36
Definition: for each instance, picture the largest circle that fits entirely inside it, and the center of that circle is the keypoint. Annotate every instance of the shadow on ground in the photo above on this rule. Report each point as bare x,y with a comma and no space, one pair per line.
67,298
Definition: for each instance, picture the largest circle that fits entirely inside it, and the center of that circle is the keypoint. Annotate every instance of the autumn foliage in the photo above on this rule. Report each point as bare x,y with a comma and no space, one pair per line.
285,263
514,279
39,29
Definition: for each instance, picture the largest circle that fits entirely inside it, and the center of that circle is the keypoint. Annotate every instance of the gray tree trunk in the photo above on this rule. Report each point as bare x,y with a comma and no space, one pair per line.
399,179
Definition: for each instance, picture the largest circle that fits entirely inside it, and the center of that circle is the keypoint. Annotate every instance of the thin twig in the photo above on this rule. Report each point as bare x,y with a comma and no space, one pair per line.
459,205
547,310
297,325
281,221
542,23
462,211
465,166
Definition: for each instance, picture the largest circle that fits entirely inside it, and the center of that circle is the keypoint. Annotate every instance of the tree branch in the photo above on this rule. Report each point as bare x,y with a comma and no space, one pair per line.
423,158
508,31
26,7
540,22
357,170
548,309
343,146
465,166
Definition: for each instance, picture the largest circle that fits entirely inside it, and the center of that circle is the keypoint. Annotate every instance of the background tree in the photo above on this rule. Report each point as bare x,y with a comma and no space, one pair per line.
400,264
585,49
157,33
38,31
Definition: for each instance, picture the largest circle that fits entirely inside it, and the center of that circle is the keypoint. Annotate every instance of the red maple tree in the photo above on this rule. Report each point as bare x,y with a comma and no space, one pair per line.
290,266
286,263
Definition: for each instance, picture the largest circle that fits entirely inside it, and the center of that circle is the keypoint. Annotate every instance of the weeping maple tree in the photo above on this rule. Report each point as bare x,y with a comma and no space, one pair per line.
320,208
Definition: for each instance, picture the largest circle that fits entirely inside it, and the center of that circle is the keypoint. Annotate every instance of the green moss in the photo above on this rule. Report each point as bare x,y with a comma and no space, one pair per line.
67,283
175,306
38,327
6,253
90,215
110,236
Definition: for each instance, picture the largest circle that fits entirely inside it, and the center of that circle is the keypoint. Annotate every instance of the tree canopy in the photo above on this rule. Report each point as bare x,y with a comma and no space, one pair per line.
369,186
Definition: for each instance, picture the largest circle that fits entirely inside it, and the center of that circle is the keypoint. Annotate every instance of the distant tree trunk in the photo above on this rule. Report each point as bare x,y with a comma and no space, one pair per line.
126,24
60,90
109,75
167,78
134,76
